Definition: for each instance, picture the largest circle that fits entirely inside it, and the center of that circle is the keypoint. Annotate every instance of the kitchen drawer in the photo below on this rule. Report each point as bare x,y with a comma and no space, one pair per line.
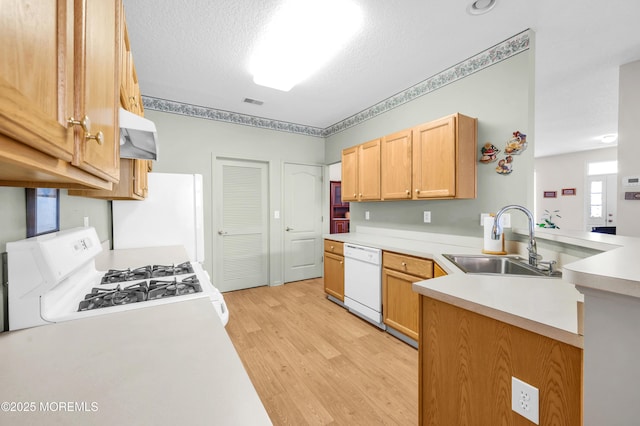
333,247
408,264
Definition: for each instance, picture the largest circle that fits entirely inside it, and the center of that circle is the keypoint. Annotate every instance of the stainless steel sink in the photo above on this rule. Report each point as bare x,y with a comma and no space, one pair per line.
495,265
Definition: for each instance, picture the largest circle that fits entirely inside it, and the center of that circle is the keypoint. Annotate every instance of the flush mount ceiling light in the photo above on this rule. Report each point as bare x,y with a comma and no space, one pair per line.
610,138
301,38
479,7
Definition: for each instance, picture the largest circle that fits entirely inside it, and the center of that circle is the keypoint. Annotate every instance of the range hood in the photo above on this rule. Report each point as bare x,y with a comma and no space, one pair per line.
138,137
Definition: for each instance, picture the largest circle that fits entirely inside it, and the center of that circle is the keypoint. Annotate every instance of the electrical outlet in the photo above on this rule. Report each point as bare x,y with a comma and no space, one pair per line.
506,220
366,215
427,217
525,400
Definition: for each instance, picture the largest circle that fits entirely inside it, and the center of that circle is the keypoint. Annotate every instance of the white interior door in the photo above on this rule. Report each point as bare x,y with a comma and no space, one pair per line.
302,220
241,230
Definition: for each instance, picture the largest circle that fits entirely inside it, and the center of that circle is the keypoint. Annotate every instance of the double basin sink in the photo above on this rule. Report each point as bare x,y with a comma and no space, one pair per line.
497,265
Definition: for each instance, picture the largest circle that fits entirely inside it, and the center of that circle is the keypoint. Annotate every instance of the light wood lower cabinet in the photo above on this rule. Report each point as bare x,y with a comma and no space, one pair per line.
399,301
334,269
466,361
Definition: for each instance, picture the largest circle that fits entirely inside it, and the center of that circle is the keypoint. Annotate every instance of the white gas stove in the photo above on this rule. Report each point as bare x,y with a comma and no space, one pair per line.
53,278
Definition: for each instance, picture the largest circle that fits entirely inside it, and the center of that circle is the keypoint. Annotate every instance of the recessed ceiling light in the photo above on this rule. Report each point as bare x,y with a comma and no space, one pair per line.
479,7
610,138
302,37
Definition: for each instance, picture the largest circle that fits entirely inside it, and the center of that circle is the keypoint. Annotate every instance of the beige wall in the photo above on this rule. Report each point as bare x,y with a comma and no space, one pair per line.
501,97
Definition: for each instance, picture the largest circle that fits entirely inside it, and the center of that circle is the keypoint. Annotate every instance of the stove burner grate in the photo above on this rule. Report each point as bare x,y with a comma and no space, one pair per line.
144,272
139,292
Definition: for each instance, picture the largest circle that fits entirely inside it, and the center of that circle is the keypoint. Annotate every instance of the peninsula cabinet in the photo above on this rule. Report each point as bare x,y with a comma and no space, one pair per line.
58,65
444,158
466,362
395,166
361,172
334,269
399,302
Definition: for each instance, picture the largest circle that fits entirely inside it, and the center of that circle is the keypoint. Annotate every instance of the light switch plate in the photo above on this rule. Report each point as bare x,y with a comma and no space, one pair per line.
427,217
525,400
366,215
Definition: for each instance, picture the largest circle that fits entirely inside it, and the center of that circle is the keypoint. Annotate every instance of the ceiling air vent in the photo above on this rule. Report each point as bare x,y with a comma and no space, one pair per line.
253,101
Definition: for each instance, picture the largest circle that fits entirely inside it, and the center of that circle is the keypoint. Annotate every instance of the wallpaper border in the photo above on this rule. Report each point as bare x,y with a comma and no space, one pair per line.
498,53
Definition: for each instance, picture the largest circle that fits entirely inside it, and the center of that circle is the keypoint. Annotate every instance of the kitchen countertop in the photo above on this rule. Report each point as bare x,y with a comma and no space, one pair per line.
136,367
546,306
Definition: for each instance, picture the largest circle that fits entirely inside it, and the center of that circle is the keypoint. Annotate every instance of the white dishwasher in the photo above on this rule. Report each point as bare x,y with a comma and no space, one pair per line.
363,282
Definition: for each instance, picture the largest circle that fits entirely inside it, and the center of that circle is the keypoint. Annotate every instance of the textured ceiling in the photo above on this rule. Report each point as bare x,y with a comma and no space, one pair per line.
197,52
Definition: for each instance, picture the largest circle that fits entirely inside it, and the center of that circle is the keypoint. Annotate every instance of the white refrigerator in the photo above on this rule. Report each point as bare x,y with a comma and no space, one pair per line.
172,214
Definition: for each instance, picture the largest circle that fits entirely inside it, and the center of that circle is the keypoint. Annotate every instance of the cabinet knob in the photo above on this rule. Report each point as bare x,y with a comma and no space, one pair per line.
85,124
360,195
417,190
341,262
98,137
404,264
331,248
408,192
355,195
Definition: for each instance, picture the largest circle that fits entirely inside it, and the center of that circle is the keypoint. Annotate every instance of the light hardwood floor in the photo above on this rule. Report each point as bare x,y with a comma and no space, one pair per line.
314,363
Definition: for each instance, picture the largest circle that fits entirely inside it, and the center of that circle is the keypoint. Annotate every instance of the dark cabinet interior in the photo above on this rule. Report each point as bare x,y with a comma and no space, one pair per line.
339,210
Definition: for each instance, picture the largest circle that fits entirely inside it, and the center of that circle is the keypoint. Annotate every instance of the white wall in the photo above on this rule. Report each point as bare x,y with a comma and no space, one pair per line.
628,147
190,145
567,171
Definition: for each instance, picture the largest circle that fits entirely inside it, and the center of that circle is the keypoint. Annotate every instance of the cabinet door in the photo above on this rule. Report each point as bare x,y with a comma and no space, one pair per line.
395,166
97,54
369,171
434,159
36,74
350,174
334,275
438,271
399,302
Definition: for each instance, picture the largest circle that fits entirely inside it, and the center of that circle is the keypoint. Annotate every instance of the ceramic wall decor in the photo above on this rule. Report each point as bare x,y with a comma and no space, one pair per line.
505,165
489,153
516,144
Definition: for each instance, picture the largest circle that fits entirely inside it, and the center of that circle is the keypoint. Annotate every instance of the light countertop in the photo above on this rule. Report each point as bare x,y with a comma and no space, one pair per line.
162,365
546,306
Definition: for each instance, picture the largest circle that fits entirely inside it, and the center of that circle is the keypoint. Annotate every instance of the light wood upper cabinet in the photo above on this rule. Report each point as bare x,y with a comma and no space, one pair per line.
133,173
395,166
58,62
350,174
369,171
98,85
37,88
444,158
361,172
430,161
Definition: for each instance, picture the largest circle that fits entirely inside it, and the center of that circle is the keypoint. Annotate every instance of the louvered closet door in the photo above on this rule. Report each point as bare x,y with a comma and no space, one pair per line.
242,218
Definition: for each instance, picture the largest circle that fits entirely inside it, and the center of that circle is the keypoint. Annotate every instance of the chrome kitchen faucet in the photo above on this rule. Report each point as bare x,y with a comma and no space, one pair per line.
497,230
